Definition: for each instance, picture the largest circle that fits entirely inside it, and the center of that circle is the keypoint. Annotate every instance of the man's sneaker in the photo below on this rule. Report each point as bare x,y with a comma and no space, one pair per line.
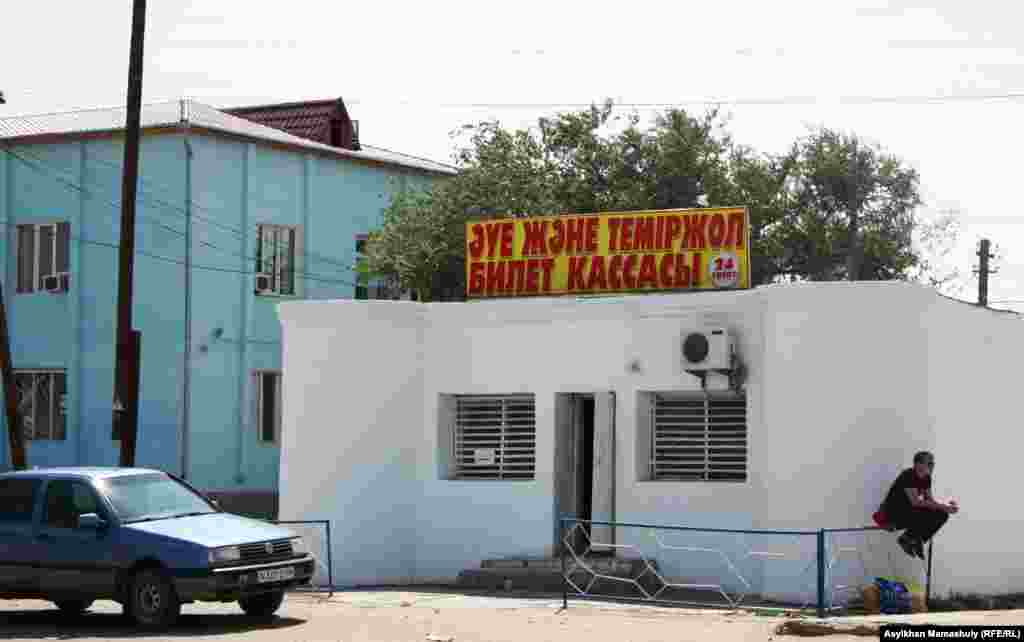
919,548
907,545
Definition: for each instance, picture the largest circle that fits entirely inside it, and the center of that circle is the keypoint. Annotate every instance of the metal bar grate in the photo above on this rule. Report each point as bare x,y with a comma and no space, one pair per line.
495,436
699,438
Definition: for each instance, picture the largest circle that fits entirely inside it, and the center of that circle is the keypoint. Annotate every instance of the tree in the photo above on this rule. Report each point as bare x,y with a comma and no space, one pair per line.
833,207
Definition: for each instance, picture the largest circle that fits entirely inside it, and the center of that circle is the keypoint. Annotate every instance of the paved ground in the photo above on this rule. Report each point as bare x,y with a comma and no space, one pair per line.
396,616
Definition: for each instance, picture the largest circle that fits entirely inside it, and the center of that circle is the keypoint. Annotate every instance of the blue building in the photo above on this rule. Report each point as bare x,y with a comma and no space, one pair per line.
237,211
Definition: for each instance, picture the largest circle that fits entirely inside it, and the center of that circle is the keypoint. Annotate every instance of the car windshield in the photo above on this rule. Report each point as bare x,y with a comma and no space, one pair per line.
148,497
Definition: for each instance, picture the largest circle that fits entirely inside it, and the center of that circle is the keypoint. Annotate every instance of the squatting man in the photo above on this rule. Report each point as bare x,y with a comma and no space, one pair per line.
909,506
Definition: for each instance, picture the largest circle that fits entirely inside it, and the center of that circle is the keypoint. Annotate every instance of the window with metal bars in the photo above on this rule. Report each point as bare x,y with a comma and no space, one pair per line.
42,400
43,256
276,253
495,436
701,438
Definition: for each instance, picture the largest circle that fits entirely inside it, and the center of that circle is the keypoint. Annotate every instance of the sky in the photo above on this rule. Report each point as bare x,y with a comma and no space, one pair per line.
940,84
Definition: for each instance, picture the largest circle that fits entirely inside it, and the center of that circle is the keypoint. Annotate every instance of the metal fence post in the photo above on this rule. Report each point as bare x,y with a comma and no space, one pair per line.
821,573
928,576
561,555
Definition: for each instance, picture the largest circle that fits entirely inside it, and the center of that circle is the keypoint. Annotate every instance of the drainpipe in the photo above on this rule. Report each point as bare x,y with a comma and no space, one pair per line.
187,366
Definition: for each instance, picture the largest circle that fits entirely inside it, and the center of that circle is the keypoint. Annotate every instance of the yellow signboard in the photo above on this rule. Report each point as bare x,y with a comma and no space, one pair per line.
659,250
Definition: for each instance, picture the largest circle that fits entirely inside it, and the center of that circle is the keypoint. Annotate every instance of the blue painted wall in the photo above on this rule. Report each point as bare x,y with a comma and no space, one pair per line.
235,185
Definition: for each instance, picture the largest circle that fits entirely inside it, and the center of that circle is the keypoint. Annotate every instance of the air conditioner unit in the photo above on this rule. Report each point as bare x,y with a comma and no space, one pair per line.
708,351
264,283
57,282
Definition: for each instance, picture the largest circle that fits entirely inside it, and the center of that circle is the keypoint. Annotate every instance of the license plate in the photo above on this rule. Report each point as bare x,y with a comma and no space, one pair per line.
275,574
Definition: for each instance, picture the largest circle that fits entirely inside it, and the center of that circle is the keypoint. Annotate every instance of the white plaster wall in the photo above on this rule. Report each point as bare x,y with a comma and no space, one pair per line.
976,391
351,377
846,381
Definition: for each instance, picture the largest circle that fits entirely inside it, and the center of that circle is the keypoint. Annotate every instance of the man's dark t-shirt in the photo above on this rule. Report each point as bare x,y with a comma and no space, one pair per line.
896,502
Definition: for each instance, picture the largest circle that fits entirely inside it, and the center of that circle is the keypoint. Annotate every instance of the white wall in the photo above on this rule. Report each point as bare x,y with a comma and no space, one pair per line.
976,389
845,382
351,377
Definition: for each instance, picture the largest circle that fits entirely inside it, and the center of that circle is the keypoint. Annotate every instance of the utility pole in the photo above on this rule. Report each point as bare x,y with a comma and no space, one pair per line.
983,272
15,436
127,359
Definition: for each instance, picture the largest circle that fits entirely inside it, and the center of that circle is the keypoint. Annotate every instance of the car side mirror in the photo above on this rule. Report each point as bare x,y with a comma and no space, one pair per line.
91,521
213,501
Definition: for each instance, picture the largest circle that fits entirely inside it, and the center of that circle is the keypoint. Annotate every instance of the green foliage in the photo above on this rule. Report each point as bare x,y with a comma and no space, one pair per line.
832,207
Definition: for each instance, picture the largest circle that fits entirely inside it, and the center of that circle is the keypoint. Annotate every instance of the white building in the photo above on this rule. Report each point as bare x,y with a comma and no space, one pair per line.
844,382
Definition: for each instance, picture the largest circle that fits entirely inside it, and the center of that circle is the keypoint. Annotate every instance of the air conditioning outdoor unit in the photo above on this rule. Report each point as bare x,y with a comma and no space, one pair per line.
263,284
56,282
708,351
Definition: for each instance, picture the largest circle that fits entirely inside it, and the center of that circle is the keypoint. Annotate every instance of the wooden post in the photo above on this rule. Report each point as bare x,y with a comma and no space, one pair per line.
15,436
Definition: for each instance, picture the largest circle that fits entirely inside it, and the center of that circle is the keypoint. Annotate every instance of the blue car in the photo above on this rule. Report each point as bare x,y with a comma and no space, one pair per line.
143,538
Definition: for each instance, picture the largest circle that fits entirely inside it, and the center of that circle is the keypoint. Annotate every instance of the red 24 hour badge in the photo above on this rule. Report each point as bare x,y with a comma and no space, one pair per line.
725,270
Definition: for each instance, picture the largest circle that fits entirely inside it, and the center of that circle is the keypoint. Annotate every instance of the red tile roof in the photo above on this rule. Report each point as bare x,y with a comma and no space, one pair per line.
323,121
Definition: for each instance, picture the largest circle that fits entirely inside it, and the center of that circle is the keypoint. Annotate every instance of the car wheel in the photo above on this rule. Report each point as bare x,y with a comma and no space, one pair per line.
152,602
262,605
73,607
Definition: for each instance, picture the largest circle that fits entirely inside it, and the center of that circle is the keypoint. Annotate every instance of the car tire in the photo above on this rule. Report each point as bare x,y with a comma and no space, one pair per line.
73,607
262,605
152,601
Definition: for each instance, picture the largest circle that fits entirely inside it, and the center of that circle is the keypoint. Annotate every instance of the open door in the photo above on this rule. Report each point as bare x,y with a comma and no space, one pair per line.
602,504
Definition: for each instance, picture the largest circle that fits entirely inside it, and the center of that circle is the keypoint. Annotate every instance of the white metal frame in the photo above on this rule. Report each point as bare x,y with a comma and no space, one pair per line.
257,377
279,252
37,276
506,424
719,429
58,406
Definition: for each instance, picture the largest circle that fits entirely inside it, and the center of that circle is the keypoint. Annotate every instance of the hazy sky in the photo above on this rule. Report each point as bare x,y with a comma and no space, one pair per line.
410,73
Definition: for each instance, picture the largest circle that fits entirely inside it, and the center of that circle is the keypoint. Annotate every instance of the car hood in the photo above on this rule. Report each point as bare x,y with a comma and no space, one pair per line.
214,529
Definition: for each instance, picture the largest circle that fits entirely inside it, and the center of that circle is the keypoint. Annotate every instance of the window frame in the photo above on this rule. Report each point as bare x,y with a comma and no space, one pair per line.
44,506
515,456
60,249
722,413
296,260
58,405
258,398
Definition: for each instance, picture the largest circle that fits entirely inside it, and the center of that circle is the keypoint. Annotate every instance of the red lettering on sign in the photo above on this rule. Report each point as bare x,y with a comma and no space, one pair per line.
516,276
645,233
737,233
659,234
593,223
673,227
534,243
548,265
693,236
598,276
615,272
613,234
648,271
532,276
508,231
557,242
695,272
665,270
574,240
627,272
717,230
576,266
493,230
495,277
682,272
476,278
627,234
476,245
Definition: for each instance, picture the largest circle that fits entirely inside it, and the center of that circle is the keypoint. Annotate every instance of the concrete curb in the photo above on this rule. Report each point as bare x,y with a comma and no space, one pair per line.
810,628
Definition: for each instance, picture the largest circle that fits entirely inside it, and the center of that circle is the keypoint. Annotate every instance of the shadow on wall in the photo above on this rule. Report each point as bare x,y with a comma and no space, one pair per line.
249,504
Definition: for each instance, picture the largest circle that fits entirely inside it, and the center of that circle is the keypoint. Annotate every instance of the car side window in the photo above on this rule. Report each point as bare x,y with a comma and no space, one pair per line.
18,499
66,501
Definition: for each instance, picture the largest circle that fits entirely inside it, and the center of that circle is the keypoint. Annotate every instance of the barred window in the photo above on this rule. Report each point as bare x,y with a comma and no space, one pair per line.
495,437
700,438
42,399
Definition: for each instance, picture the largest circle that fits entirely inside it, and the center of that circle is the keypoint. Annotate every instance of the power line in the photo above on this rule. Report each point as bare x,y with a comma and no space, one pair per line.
74,186
210,268
177,210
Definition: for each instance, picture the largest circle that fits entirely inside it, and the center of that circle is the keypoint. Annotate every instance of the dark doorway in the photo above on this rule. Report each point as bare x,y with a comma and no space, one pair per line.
584,466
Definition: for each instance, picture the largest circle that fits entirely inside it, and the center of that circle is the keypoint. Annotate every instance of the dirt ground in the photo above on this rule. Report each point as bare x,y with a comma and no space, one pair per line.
425,617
